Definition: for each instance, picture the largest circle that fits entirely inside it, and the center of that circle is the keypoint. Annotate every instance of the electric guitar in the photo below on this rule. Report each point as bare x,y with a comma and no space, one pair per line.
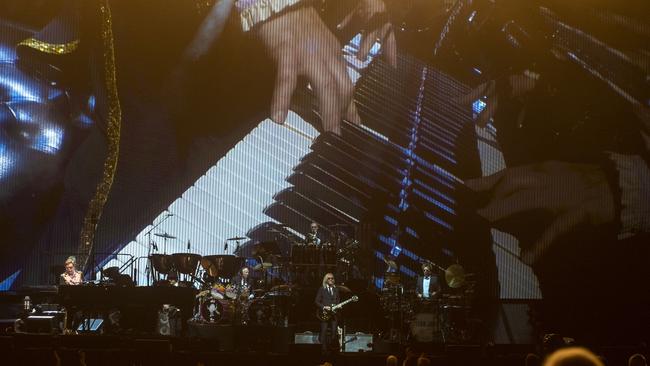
325,315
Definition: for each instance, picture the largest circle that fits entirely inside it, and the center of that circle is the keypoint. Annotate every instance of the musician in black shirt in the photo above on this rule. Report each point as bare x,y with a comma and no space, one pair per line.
326,297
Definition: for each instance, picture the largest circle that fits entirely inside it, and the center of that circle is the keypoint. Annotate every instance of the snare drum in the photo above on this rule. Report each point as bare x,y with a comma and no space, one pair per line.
231,292
217,291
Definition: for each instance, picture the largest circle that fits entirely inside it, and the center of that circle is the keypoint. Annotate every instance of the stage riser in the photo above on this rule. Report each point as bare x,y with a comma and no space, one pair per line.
243,338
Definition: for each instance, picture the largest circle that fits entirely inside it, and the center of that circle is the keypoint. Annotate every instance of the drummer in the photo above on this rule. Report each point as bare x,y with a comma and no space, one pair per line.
243,282
428,285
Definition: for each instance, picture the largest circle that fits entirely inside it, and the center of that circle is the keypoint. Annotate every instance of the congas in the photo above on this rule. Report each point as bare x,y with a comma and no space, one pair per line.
216,310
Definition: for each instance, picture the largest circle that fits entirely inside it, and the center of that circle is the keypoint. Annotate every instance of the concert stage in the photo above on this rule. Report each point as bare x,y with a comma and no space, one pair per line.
26,349
33,349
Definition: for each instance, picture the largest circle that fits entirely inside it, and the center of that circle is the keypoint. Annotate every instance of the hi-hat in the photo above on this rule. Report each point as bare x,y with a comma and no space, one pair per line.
165,236
455,276
237,238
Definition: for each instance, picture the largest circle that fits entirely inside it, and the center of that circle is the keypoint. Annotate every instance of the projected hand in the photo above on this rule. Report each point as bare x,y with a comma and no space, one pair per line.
519,84
486,90
371,16
301,45
575,194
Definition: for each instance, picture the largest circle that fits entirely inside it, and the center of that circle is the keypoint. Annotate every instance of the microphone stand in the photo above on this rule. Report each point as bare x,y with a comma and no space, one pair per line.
150,245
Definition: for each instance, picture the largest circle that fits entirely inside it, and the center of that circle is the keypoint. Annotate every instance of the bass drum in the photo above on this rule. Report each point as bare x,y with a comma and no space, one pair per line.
217,311
259,312
425,327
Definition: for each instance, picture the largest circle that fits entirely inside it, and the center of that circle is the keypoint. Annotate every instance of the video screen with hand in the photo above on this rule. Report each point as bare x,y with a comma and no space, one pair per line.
502,145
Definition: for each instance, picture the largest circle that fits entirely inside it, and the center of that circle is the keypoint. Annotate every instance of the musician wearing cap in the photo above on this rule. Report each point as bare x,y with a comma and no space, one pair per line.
71,276
428,285
326,297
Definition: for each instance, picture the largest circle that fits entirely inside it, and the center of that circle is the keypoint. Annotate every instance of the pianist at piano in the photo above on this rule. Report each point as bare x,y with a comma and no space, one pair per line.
71,276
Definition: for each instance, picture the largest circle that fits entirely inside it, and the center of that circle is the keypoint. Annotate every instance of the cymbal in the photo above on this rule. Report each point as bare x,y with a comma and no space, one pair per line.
343,288
263,265
391,263
237,238
455,276
339,225
281,288
165,236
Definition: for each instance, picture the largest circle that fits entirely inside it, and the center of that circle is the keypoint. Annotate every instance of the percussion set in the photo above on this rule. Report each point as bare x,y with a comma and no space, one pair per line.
223,302
443,318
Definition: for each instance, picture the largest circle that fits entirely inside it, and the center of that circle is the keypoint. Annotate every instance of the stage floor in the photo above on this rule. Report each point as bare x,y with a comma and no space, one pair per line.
37,349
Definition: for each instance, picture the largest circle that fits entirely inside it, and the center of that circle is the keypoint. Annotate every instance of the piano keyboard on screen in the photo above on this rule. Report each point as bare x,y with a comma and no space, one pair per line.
399,170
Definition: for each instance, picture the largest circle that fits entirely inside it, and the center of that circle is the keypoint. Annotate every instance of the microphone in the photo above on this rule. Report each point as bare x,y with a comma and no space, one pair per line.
169,214
155,247
225,246
188,245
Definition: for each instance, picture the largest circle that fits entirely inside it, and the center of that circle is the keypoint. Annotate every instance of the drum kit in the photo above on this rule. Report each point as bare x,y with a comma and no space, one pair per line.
220,301
443,318
309,261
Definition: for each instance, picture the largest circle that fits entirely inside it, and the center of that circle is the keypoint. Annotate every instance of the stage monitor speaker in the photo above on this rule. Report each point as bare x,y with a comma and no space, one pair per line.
46,323
90,325
358,342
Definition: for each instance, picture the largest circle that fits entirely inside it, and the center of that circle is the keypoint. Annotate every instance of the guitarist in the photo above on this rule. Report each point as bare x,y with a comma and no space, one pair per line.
326,297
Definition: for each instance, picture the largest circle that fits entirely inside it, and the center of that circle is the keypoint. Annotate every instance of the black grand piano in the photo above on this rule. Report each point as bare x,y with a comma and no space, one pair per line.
138,307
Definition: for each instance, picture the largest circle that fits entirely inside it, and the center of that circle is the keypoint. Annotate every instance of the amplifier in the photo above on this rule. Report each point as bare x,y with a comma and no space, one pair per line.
47,322
306,338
